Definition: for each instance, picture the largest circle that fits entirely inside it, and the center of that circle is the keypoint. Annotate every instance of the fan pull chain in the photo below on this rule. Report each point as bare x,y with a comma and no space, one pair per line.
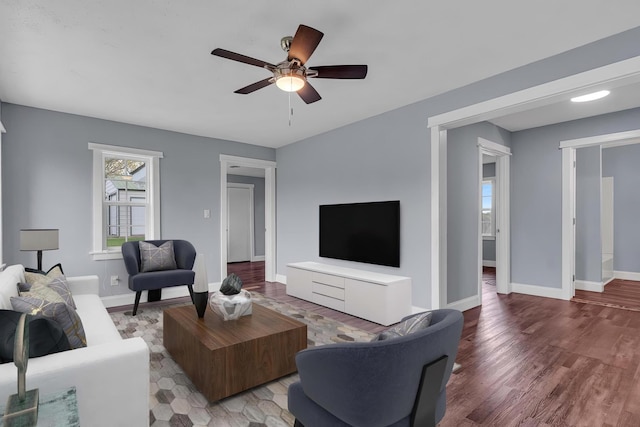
290,110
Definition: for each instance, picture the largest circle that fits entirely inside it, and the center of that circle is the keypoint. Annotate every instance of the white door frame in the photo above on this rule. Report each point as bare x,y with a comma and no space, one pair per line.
252,244
568,148
269,211
615,74
502,215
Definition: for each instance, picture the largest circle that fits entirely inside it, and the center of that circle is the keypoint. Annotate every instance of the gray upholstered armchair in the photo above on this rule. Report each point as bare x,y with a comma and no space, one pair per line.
396,382
185,255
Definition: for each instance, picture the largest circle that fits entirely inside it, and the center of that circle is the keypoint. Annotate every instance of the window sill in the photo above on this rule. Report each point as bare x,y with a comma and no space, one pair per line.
105,255
488,237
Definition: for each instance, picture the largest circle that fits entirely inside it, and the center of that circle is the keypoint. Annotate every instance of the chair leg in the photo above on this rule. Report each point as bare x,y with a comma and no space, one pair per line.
191,293
135,305
424,409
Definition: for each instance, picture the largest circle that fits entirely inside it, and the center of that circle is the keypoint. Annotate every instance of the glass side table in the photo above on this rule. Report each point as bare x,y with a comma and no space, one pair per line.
55,410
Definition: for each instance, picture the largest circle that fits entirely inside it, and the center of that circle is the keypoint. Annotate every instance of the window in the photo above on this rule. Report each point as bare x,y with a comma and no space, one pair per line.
126,198
488,208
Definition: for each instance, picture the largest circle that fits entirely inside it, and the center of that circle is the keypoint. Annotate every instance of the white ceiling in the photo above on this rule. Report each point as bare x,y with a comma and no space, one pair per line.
149,63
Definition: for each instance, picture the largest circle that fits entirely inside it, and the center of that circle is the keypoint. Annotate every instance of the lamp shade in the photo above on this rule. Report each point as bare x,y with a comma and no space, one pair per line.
39,239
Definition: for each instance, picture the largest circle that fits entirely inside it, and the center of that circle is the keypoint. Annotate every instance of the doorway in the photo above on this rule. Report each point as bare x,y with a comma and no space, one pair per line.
240,240
494,214
235,165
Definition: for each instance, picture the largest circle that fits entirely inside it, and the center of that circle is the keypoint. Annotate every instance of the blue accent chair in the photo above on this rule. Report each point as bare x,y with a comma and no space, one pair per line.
395,382
185,255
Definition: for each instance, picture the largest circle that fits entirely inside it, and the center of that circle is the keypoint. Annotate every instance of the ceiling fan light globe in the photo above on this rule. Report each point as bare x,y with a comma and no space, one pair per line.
290,83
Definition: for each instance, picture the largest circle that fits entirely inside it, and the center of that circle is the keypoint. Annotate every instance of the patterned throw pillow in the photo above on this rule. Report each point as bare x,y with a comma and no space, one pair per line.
59,285
61,312
408,326
36,277
156,258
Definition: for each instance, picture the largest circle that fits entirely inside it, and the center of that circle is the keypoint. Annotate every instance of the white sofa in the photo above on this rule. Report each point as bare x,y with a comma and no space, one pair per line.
111,374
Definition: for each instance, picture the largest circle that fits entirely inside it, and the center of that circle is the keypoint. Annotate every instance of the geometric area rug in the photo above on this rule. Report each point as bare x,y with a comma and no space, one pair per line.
174,400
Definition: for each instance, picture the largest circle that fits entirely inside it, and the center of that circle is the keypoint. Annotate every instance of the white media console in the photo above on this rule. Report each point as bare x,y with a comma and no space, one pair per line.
380,298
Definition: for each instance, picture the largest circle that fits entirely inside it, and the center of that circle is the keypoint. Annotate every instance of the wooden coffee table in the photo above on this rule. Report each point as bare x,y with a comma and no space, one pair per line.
224,358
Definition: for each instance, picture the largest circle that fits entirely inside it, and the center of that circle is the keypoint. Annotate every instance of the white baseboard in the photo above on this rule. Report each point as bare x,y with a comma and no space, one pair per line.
609,281
585,285
536,290
626,275
465,304
416,310
257,258
281,278
167,293
488,263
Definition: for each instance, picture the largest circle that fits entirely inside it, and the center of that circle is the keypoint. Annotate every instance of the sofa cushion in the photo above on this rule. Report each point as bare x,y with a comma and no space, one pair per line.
37,277
157,258
59,285
61,312
45,335
9,278
97,323
409,325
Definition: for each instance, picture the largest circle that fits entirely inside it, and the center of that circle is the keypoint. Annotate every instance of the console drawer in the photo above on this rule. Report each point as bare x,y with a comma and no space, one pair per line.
328,279
330,291
333,303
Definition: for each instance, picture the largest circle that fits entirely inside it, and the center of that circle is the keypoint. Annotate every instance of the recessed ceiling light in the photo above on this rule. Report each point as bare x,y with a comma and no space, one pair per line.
591,96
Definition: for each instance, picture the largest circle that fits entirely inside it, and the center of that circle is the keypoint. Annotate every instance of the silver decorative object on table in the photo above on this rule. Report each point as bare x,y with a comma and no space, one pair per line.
231,307
22,408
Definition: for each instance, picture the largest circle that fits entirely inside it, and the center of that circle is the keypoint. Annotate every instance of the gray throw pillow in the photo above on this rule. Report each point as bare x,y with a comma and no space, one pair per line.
157,258
61,312
412,324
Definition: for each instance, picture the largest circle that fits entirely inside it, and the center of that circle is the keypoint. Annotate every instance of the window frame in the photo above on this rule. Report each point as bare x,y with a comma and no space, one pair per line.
492,181
100,251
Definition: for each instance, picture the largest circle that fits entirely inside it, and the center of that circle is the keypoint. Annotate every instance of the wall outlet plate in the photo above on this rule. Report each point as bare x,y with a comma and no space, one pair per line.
114,280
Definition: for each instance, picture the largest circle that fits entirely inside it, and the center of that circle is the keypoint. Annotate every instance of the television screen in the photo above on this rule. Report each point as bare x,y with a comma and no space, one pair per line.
362,232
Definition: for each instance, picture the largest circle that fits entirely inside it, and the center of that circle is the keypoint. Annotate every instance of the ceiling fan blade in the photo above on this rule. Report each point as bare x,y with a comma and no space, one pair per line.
309,94
304,43
341,71
255,86
241,58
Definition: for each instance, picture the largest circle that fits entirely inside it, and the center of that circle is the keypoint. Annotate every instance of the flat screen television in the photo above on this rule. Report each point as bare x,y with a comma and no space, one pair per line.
361,232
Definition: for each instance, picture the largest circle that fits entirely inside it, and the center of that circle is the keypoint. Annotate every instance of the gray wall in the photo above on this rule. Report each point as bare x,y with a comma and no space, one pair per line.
489,246
622,163
387,157
258,209
588,242
46,178
463,210
536,189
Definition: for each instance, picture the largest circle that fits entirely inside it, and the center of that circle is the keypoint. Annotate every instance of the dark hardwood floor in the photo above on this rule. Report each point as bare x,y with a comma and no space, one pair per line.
532,361
249,272
618,293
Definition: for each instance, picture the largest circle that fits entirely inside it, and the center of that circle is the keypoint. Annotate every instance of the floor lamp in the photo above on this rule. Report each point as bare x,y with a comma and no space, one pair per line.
39,239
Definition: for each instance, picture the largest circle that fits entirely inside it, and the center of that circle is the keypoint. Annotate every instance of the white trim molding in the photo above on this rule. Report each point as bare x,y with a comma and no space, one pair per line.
585,285
626,275
609,140
281,278
488,263
537,290
167,293
465,304
2,128
152,220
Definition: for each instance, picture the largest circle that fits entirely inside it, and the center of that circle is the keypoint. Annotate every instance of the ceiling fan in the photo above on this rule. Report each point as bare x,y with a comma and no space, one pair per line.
291,74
